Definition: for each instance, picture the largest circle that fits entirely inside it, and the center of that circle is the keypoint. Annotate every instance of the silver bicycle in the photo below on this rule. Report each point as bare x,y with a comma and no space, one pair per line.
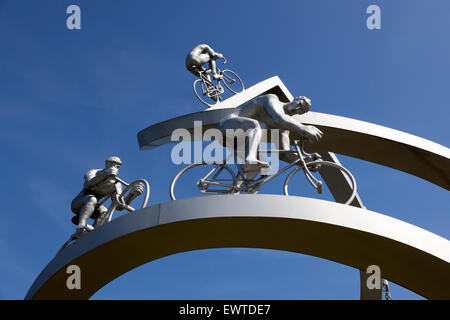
107,216
209,93
221,179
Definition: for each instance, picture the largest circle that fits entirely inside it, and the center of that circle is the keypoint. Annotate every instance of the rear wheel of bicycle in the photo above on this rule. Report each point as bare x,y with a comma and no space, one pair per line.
203,178
311,166
209,97
232,81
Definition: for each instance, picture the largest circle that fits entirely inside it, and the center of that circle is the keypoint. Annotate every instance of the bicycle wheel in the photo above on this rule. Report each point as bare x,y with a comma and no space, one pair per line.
232,81
208,96
329,164
108,215
203,178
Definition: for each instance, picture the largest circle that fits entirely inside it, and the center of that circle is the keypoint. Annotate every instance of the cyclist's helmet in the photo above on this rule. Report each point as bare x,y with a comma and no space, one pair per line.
113,159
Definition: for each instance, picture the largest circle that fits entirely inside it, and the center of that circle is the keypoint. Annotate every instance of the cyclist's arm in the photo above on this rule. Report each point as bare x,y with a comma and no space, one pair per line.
211,52
285,142
275,109
92,178
116,194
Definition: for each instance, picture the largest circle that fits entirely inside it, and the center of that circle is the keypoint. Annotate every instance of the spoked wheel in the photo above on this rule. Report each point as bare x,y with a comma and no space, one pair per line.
203,178
209,96
232,81
108,215
312,166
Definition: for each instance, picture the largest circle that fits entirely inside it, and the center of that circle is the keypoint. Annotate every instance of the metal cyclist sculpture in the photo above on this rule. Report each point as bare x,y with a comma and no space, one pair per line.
220,178
264,111
204,88
256,111
99,186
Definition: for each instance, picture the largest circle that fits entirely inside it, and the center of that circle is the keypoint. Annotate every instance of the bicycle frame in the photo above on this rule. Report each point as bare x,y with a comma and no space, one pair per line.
208,88
204,86
250,185
204,181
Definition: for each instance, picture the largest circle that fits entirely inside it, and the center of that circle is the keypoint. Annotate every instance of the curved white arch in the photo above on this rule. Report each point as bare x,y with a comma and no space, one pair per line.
410,256
367,141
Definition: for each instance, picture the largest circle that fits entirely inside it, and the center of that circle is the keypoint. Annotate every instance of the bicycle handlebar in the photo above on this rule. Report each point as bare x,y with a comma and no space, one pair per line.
121,181
125,206
224,59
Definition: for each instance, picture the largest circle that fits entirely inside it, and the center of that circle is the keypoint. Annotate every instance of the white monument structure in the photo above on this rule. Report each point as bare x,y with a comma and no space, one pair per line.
235,214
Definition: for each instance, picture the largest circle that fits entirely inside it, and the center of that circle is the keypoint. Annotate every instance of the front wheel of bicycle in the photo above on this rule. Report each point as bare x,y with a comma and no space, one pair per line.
203,178
108,215
312,165
206,93
232,81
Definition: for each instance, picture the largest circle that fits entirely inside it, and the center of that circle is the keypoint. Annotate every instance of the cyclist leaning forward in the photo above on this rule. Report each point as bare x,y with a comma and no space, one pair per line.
267,111
201,55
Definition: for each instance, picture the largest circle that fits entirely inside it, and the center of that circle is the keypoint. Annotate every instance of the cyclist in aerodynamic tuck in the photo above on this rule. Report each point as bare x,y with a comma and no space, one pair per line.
267,111
201,55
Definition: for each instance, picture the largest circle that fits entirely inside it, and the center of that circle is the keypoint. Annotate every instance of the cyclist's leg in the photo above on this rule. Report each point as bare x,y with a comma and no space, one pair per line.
101,217
195,63
249,136
201,59
285,144
197,60
87,204
76,205
195,70
209,88
212,66
204,58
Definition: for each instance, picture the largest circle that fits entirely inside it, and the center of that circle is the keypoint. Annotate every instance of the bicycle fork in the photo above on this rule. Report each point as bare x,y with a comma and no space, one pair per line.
317,184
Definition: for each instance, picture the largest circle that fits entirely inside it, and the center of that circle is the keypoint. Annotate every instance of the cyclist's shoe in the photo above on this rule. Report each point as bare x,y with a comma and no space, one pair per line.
251,170
289,157
216,97
255,165
81,231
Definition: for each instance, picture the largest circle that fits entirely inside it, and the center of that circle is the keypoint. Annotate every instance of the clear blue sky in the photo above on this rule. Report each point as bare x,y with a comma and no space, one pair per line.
69,99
